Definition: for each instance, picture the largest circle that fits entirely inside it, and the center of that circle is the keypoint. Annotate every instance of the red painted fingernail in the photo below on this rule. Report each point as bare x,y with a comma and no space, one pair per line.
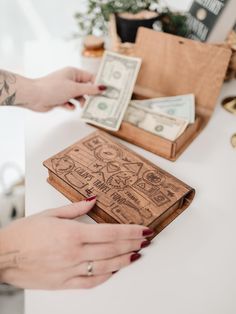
145,244
89,199
148,232
114,272
102,87
69,106
134,257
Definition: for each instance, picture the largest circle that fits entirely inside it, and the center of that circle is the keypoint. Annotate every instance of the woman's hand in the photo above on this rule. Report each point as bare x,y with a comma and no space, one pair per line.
57,88
46,93
51,250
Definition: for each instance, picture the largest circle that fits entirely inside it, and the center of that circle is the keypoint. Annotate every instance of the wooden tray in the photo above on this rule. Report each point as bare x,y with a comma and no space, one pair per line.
171,66
129,188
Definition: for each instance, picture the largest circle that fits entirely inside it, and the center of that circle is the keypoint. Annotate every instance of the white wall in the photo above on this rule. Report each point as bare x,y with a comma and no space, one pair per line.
11,140
25,20
22,21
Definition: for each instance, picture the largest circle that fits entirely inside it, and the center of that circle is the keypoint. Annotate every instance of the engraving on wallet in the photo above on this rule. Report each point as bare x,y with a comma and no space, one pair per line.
63,165
94,142
154,177
170,186
113,166
122,179
160,198
108,152
128,188
145,187
135,167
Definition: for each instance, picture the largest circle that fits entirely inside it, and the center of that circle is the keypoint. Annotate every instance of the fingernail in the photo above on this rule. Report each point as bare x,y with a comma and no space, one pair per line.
145,244
148,232
69,106
89,199
102,87
114,272
134,257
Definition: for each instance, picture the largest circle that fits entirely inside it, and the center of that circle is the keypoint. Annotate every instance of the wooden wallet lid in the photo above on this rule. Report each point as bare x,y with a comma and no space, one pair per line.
172,65
129,188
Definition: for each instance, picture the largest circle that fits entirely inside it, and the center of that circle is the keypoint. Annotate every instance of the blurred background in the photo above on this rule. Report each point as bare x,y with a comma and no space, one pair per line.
31,32
25,21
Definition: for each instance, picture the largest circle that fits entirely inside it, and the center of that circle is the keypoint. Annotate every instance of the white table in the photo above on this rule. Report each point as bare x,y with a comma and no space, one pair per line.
190,266
12,143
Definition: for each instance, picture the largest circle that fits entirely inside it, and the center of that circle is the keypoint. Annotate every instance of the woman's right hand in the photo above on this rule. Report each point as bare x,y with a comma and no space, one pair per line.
52,250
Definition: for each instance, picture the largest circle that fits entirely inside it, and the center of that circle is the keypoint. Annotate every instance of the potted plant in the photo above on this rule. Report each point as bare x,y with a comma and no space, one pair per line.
129,14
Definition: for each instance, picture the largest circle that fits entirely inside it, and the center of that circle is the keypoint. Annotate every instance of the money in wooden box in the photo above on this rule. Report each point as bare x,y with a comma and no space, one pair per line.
129,188
173,66
173,98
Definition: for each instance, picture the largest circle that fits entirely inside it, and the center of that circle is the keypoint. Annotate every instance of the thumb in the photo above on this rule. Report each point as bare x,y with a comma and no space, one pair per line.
82,89
73,210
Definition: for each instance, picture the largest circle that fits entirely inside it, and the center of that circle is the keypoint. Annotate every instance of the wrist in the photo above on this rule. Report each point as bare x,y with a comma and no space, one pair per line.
27,92
34,95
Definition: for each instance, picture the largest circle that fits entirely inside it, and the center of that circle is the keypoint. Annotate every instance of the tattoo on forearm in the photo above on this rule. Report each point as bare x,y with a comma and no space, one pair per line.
6,79
9,101
9,259
7,97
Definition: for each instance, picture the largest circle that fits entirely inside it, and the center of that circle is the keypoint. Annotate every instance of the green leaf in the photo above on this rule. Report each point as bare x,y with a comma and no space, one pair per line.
98,12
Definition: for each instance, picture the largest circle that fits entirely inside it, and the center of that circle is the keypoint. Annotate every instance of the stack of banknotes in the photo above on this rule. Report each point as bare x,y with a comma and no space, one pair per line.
167,117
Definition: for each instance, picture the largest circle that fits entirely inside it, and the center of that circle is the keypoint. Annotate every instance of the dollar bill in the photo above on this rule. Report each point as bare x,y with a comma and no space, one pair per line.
157,123
182,106
119,74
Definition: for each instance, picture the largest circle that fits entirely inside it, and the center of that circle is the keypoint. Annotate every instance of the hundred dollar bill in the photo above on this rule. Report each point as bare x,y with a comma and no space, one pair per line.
119,74
179,106
157,123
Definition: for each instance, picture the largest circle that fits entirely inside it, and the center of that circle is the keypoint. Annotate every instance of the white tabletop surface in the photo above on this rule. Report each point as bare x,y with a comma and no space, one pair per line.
190,267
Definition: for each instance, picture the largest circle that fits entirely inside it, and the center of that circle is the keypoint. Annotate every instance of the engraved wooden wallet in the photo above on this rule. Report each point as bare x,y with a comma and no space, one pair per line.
129,188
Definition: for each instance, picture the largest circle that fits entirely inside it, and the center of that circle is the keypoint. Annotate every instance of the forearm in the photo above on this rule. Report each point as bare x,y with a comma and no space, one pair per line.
16,90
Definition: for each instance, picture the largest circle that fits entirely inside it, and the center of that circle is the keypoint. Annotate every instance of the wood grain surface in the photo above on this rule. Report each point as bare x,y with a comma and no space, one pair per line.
171,66
129,188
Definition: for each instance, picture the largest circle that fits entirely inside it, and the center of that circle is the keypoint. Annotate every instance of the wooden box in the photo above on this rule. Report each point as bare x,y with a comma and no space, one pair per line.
129,188
171,66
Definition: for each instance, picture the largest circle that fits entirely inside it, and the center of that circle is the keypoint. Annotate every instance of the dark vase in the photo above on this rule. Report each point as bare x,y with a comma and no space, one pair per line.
127,28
